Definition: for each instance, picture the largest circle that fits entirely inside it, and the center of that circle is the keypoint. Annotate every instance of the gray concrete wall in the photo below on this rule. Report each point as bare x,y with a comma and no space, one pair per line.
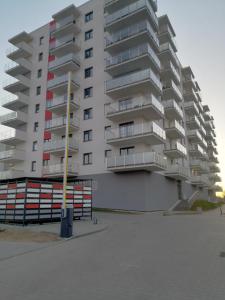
189,189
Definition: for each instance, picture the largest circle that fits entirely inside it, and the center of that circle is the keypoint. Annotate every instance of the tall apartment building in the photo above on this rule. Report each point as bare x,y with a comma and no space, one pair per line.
138,127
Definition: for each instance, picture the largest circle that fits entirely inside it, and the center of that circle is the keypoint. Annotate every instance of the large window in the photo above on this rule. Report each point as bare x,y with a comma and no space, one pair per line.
38,90
88,72
88,92
40,56
39,73
89,17
88,53
87,158
126,150
88,35
126,129
37,108
87,135
88,113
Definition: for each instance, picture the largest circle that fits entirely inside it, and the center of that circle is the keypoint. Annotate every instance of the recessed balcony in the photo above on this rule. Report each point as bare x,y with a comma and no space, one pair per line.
11,174
147,108
172,92
177,172
175,150
57,170
138,57
65,46
58,125
17,85
21,67
15,103
59,84
169,72
63,65
173,110
14,119
193,122
140,81
131,36
199,166
174,130
57,146
58,105
147,132
136,11
13,136
12,156
167,54
148,161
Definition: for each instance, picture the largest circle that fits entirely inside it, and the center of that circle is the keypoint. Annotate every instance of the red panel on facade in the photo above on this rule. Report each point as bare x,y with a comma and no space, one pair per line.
32,206
69,196
52,40
47,135
78,187
3,196
33,185
57,186
50,76
49,95
12,186
20,196
46,156
10,206
46,195
87,197
78,205
52,23
51,58
56,205
48,115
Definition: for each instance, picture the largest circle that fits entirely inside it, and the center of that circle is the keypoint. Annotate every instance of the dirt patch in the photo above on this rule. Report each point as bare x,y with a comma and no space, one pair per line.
27,236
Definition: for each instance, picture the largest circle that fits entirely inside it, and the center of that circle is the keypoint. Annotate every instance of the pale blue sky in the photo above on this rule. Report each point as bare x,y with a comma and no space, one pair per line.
200,29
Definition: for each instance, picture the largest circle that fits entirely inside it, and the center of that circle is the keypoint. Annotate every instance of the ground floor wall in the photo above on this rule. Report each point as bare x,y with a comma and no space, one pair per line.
139,191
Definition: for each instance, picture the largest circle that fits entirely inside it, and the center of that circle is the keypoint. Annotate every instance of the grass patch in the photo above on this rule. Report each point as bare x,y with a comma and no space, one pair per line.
205,205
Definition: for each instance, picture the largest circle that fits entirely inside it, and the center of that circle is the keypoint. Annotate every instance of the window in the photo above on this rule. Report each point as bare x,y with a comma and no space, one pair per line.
39,73
126,151
88,53
126,129
40,56
37,108
88,72
87,158
89,17
125,104
87,135
33,166
41,40
88,35
34,148
88,92
88,113
36,126
38,90
107,129
108,153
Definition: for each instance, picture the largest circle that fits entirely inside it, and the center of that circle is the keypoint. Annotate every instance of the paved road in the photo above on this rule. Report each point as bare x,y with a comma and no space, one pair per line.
139,257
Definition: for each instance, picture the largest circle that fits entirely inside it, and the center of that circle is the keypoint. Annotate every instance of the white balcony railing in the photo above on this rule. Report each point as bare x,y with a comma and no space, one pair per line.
194,133
132,31
175,88
131,54
173,104
168,47
135,130
59,101
196,148
60,144
132,79
199,163
176,146
137,159
60,80
130,104
62,60
193,119
12,133
176,125
13,116
130,9
177,169
56,169
12,153
11,174
61,121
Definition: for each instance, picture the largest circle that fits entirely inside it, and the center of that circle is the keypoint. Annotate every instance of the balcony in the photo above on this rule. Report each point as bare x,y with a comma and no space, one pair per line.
130,36
69,62
69,11
174,130
135,58
172,92
17,85
147,108
59,84
21,37
15,103
11,174
203,131
22,50
58,125
173,110
12,156
57,146
21,67
57,170
191,108
65,26
167,54
138,10
193,122
135,82
147,132
189,95
177,172
196,150
167,35
175,150
209,135
64,46
199,166
110,5
13,136
209,125
169,72
189,84
148,161
194,136
14,119
200,180
59,104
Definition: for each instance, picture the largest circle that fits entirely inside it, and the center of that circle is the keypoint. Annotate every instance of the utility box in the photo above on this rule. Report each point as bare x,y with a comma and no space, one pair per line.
66,230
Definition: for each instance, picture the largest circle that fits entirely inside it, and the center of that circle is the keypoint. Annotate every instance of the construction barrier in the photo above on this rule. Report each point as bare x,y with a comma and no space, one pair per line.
37,201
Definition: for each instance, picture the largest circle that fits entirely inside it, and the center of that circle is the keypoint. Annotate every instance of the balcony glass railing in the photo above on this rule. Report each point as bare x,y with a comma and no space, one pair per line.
130,9
176,146
65,59
131,54
59,144
11,174
61,121
200,164
136,159
175,124
61,80
59,101
171,67
194,133
168,47
12,133
129,104
12,153
64,41
63,22
194,119
132,31
12,116
191,104
178,169
196,148
173,104
135,130
133,78
59,168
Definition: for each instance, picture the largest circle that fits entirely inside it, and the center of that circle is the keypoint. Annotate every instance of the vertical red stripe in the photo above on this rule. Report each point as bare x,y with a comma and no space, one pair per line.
49,95
48,115
47,135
